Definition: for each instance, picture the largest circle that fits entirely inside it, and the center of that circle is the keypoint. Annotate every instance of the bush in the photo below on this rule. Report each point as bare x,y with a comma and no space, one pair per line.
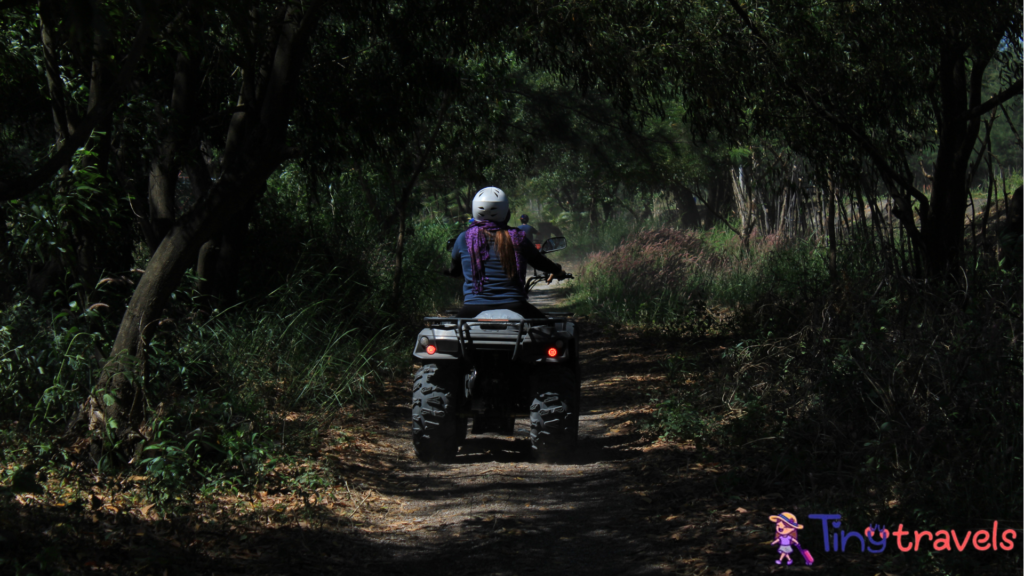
46,368
656,278
586,238
314,328
904,395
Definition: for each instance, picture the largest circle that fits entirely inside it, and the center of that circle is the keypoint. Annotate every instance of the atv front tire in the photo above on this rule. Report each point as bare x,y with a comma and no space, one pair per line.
554,423
436,428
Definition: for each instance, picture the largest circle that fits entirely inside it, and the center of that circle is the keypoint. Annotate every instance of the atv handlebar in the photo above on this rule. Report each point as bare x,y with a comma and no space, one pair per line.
536,279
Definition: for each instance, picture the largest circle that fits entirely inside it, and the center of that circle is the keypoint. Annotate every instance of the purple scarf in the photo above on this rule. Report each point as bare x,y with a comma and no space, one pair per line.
478,252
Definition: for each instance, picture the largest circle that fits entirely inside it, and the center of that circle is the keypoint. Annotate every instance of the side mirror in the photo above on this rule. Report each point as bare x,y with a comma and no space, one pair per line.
450,244
554,245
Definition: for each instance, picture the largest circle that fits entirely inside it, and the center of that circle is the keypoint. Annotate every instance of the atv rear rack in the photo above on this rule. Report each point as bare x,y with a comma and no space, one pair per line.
463,327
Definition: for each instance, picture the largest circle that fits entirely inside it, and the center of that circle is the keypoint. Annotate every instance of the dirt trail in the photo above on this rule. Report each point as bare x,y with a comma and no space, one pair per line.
624,504
495,512
619,507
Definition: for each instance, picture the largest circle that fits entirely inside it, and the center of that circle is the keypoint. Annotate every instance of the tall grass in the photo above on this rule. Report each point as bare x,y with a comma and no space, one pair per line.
677,280
307,343
654,278
897,400
217,383
48,361
586,237
314,329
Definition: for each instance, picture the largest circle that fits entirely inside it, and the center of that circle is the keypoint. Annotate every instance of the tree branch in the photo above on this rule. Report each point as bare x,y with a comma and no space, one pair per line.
1013,129
998,99
11,4
52,67
714,212
25,185
873,152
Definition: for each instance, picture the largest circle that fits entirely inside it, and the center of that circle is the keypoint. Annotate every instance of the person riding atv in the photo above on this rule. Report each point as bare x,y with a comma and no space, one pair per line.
499,357
530,231
496,283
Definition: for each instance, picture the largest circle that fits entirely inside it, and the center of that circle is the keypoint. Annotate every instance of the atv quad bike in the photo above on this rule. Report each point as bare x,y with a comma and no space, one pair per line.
495,368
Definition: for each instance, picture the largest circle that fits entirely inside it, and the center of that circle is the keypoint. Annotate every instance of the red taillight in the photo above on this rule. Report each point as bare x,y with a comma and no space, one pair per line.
552,352
431,349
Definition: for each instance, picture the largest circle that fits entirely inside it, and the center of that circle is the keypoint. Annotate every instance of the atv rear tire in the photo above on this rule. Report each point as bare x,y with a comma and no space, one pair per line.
436,428
554,423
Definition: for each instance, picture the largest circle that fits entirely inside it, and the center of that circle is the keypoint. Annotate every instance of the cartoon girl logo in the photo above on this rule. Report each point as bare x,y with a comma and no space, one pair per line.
786,526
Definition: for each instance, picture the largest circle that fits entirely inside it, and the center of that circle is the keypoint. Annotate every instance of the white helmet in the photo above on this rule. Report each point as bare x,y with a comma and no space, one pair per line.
490,204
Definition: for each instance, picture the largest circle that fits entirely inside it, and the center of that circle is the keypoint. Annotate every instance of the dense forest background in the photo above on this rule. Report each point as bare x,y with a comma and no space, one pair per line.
219,214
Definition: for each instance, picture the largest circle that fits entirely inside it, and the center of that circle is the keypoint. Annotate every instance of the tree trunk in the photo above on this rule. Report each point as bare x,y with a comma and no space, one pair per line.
51,64
942,224
163,172
689,216
99,85
718,196
118,400
219,257
5,249
608,209
744,205
831,229
396,286
421,158
468,197
117,404
24,185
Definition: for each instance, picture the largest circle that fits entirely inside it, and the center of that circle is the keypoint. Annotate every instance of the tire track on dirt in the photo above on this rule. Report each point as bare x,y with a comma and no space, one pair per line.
625,503
493,511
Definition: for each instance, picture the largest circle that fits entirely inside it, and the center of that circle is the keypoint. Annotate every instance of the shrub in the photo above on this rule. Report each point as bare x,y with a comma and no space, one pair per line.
315,328
905,395
654,278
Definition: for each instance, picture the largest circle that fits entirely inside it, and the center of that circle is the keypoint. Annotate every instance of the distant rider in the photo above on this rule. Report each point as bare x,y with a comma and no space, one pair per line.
496,283
530,231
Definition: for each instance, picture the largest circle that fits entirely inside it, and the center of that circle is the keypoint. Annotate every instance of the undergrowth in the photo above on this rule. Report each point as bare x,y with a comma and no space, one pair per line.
233,389
586,238
894,400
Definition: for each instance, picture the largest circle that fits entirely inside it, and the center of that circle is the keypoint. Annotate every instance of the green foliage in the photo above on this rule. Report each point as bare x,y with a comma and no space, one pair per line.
586,238
560,103
64,224
678,281
906,395
796,272
312,334
210,447
349,229
46,368
653,279
680,420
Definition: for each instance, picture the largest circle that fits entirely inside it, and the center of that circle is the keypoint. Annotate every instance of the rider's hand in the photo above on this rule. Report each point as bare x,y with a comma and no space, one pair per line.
560,275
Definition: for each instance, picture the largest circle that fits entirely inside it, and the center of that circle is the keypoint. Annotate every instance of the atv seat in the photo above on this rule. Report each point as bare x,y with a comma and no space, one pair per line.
499,315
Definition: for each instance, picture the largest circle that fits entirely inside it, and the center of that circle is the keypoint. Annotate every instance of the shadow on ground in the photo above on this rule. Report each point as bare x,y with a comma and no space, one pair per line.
626,503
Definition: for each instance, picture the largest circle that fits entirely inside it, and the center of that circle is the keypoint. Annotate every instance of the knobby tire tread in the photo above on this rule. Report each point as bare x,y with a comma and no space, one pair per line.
554,419
436,428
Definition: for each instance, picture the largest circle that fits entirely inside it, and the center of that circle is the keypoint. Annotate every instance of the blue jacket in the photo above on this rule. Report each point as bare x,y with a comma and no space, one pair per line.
530,231
498,289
